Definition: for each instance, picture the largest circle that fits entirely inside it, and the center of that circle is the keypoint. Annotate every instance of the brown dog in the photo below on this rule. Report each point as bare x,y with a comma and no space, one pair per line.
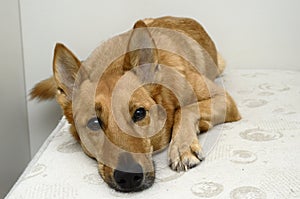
138,93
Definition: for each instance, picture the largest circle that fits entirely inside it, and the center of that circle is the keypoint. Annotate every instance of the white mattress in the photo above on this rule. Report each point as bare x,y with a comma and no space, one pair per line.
257,157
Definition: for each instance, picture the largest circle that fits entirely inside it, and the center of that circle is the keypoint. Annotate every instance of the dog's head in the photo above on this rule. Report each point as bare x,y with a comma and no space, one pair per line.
113,115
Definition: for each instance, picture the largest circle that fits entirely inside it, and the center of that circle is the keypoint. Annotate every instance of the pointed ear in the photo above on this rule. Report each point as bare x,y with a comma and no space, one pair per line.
141,47
65,68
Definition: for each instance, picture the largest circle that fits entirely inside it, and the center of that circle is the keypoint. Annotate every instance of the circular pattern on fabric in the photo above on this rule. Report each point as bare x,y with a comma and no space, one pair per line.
247,192
254,103
36,170
242,157
260,135
274,87
207,189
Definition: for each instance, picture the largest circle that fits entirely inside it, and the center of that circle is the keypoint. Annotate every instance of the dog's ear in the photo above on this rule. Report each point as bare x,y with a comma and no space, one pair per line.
65,68
141,47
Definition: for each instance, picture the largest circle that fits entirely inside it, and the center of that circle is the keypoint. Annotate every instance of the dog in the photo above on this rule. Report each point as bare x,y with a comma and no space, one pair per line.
156,91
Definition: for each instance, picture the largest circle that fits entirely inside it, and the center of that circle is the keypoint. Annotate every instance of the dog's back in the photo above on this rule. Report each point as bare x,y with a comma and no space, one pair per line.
189,27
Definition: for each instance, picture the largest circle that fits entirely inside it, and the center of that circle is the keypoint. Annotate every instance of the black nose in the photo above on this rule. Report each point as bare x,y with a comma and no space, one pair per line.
129,174
128,181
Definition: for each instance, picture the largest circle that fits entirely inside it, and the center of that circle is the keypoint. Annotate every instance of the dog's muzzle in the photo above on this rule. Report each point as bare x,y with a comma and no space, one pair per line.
129,175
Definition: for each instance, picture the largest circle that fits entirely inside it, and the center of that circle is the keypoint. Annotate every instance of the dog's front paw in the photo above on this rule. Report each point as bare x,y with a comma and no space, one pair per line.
183,156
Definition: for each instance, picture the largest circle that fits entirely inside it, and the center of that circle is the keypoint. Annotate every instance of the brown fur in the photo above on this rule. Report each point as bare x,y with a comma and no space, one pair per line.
183,122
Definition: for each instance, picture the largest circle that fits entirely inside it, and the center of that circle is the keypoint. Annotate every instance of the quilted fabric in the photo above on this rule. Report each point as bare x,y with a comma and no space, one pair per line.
257,157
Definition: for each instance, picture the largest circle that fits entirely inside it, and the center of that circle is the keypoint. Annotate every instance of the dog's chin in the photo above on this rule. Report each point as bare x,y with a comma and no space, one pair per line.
147,183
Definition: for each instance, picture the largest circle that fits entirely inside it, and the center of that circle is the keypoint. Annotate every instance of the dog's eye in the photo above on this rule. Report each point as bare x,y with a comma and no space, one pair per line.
94,124
139,114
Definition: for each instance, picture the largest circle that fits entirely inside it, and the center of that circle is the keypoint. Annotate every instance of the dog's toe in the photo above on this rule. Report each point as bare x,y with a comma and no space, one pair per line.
189,160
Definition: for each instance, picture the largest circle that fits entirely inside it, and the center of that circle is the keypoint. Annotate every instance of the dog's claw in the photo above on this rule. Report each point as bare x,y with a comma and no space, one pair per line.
200,155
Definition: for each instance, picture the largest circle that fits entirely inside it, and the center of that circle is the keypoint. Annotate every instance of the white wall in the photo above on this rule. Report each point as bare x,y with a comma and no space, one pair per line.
250,34
14,136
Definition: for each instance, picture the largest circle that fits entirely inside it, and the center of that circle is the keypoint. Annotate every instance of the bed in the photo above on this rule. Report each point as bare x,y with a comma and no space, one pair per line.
257,157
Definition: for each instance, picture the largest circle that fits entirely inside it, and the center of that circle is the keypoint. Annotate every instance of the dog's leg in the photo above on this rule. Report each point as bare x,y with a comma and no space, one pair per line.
217,110
185,150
